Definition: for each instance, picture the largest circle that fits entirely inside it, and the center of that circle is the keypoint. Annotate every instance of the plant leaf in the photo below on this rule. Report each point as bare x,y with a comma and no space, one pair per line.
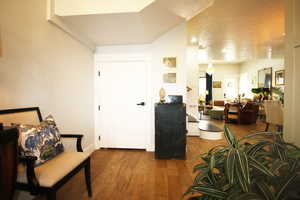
268,194
218,148
200,177
242,164
260,167
242,182
230,162
284,186
249,196
200,167
199,198
253,149
259,134
293,153
276,165
230,137
277,149
207,190
212,162
245,161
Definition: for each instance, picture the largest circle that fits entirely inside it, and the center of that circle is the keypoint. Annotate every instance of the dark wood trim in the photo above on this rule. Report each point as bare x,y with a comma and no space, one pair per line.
87,172
267,127
37,109
79,139
8,162
18,110
51,195
8,135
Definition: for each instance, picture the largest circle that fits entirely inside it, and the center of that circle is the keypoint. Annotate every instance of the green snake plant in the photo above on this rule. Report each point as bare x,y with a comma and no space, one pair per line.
259,166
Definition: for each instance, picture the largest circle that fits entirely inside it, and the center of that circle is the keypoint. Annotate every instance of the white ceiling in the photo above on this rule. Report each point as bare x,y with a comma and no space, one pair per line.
87,7
239,30
135,27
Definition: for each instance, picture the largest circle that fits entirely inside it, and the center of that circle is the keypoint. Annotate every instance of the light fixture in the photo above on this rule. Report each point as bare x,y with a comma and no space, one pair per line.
229,53
194,40
269,53
210,69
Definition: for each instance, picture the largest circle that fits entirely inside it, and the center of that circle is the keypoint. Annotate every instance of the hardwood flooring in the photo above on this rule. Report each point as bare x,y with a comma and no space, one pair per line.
136,175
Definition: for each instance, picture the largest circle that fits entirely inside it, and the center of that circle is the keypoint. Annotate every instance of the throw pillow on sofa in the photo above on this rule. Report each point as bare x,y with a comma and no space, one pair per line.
42,141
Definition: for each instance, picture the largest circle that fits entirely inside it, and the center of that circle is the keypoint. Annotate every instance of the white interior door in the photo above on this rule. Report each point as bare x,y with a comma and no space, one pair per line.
123,104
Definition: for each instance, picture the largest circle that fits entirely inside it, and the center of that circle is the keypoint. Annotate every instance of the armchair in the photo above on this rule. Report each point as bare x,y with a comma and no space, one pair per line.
274,114
242,114
47,178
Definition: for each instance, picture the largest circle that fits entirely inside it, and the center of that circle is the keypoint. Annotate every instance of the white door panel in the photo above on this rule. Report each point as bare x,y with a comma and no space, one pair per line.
123,123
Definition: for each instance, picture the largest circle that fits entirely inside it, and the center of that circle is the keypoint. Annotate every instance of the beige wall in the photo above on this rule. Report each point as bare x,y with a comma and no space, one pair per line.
224,73
249,73
292,63
42,66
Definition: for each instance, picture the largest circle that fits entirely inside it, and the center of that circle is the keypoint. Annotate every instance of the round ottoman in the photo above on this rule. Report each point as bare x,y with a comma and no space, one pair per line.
217,114
209,131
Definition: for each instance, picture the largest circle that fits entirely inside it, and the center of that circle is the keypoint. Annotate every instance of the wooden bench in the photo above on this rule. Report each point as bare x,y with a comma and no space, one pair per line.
49,177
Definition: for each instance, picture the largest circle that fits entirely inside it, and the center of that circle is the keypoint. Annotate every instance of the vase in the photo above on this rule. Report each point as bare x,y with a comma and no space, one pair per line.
162,95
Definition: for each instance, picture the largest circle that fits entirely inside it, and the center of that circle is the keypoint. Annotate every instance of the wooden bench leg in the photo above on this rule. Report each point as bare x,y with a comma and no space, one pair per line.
267,127
87,170
51,195
279,128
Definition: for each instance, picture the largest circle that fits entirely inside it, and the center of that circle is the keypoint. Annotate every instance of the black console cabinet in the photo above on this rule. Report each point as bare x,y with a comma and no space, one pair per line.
170,131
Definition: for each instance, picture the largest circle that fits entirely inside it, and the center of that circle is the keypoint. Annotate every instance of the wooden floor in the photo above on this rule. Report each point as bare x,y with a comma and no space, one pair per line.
136,175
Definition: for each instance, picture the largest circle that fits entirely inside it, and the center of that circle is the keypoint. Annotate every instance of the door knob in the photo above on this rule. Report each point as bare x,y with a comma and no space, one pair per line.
141,104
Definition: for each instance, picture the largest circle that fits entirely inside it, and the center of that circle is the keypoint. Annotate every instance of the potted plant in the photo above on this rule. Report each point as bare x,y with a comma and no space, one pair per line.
260,166
261,93
279,93
201,100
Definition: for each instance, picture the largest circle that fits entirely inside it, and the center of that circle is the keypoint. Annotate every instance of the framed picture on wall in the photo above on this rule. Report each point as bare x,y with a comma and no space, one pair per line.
279,77
169,78
265,78
170,62
217,84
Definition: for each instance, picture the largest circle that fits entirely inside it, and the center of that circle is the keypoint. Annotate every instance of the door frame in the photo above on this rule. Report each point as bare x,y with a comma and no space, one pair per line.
106,58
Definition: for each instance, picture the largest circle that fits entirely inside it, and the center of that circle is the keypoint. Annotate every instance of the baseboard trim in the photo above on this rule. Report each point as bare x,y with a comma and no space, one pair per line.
90,148
193,134
150,149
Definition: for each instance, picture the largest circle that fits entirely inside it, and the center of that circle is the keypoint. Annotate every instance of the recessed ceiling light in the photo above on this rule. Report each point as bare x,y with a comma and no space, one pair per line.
224,50
201,46
194,40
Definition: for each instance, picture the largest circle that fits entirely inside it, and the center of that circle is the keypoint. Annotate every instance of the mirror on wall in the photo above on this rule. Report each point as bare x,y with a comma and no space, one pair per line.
265,78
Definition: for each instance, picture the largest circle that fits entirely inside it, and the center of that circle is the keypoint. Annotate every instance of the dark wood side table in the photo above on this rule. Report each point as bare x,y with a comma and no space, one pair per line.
8,162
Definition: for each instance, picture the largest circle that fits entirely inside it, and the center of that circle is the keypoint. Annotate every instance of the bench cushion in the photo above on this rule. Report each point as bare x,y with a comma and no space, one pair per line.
54,170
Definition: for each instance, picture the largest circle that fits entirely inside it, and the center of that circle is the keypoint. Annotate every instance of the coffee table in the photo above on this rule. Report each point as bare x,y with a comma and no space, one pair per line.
209,131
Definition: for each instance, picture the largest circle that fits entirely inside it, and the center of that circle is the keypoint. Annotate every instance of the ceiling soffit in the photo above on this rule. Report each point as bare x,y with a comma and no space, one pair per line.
135,27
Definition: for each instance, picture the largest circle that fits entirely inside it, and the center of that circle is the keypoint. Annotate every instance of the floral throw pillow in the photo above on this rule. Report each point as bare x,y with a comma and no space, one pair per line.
42,141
